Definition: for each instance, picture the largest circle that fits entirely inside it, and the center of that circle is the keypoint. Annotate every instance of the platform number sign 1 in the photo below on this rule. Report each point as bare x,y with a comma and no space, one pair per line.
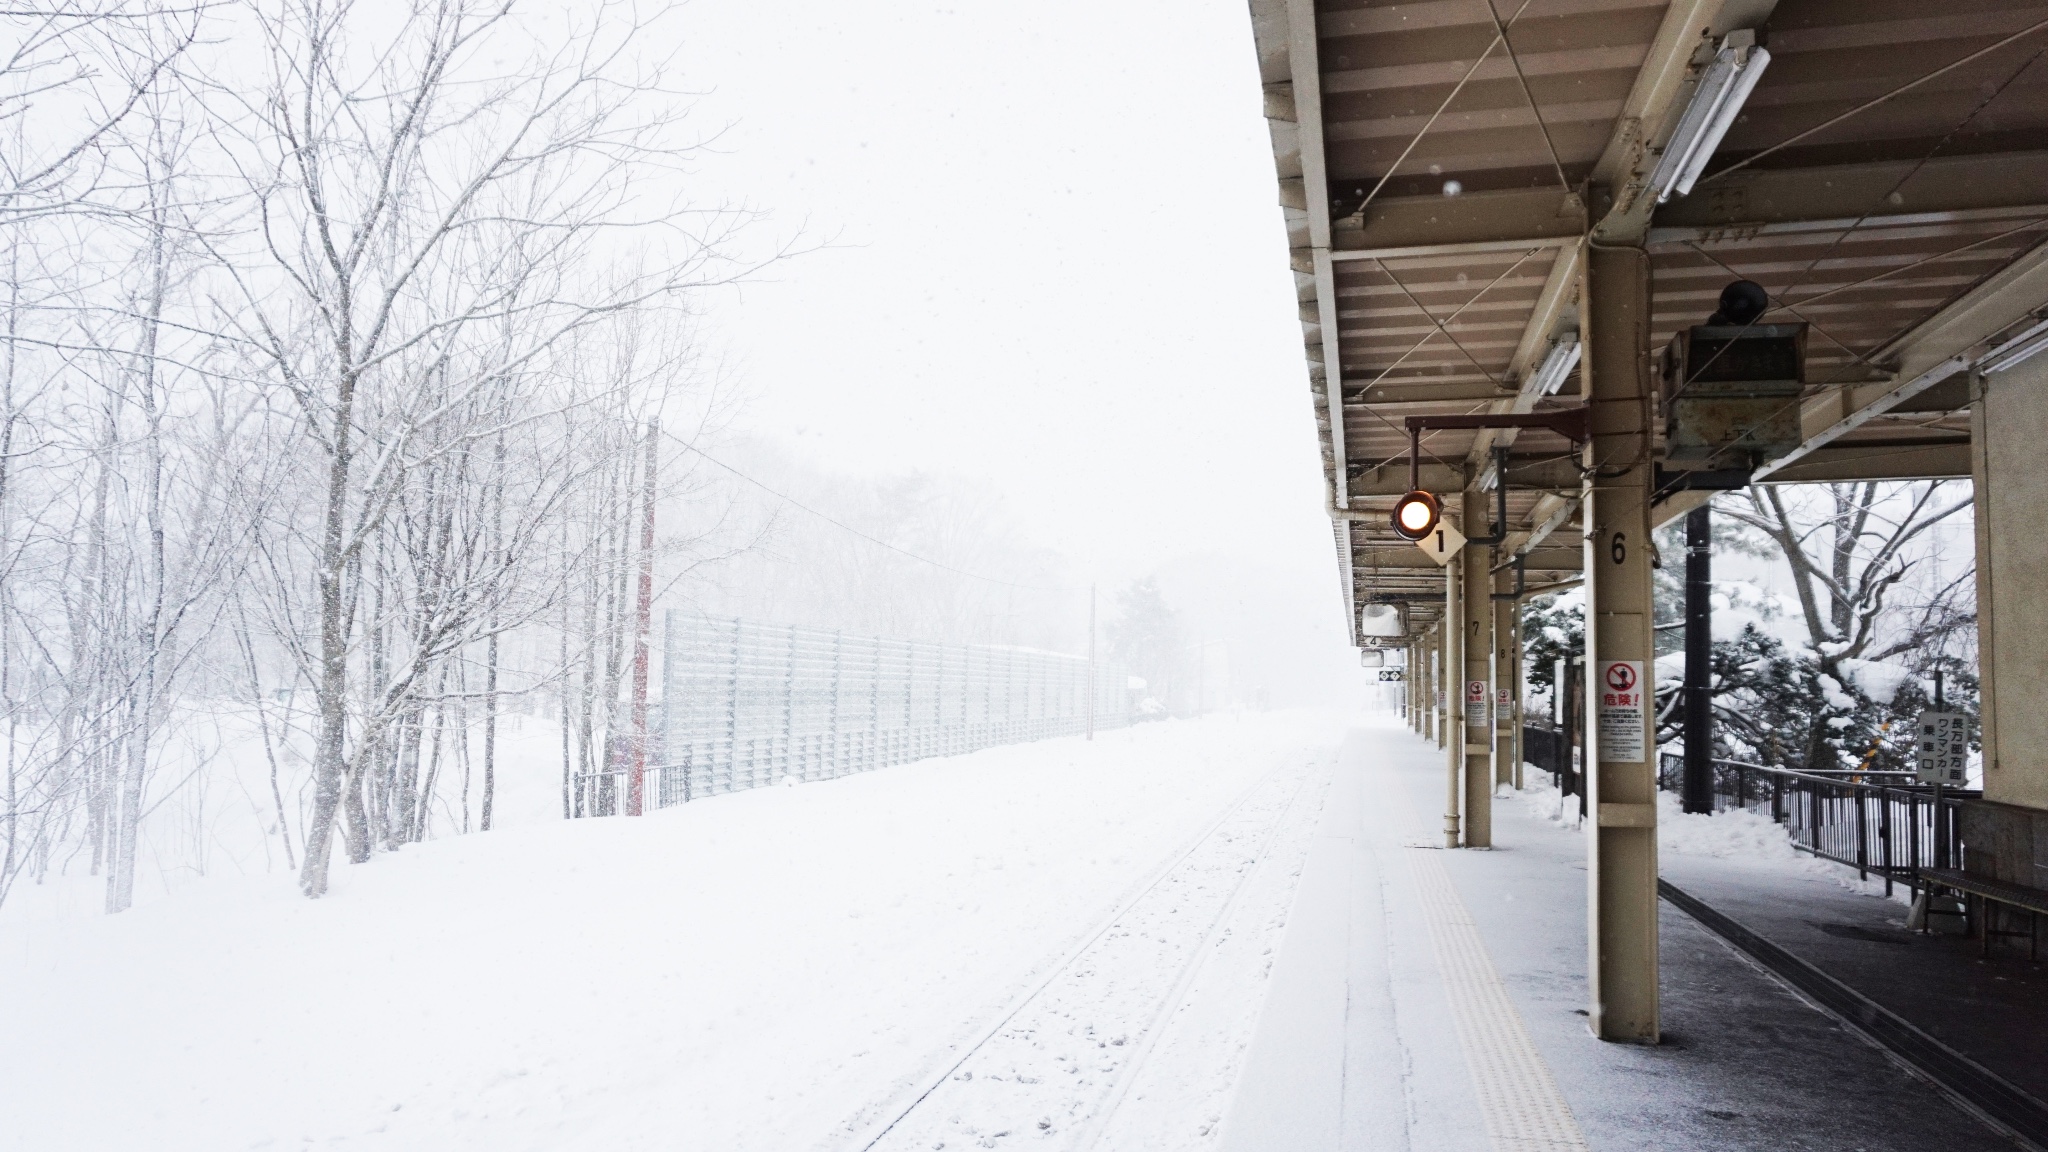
1443,542
1621,712
1942,747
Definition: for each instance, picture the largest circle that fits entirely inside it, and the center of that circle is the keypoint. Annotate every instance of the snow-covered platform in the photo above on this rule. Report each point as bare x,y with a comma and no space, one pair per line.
1388,1028
1177,938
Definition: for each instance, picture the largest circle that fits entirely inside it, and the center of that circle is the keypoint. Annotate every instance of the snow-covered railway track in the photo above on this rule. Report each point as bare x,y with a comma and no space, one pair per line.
1054,1067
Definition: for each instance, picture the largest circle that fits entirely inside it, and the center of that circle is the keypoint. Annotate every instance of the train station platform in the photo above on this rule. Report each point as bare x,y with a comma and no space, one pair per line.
1425,999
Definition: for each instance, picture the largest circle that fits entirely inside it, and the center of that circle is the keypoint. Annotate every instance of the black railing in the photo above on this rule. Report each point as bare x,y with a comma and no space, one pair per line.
1551,750
1882,823
1875,822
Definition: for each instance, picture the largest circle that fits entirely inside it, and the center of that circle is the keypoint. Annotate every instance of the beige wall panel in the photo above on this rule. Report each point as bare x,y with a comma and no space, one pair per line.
2012,582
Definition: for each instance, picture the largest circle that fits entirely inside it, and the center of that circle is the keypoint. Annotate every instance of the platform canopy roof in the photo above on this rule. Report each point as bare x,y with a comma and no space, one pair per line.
1442,164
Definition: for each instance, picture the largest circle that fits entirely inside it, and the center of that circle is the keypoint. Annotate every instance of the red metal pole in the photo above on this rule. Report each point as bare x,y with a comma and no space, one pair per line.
636,783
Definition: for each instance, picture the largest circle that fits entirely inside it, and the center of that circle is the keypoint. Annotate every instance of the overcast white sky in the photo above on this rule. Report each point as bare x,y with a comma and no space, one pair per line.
1059,265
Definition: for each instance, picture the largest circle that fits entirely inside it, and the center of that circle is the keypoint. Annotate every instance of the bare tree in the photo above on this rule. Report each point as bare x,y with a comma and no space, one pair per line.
423,231
1848,548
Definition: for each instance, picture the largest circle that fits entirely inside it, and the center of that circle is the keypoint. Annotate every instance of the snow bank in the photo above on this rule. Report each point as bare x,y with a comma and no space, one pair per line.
1735,833
1732,834
739,973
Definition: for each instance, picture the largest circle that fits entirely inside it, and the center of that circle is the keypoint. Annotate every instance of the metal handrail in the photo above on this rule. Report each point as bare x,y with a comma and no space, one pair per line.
1894,830
1885,824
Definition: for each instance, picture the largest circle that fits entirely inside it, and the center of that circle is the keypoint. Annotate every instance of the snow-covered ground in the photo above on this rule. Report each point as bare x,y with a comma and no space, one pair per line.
780,969
1743,833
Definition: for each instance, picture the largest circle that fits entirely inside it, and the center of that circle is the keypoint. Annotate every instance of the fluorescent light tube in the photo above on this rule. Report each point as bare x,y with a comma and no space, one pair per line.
2016,350
1557,365
1716,102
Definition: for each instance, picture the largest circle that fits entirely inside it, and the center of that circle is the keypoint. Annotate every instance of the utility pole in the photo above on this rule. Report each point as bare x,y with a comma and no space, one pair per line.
1698,790
1091,660
644,619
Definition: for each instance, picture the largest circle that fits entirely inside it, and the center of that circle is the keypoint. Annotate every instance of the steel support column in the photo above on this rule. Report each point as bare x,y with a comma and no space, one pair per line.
1453,734
1425,685
1621,796
1408,683
1411,685
1418,691
1507,678
1698,791
1436,684
1474,723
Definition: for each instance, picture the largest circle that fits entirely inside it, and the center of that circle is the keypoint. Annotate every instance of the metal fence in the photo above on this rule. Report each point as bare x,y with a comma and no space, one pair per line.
1876,822
1882,823
746,704
1550,750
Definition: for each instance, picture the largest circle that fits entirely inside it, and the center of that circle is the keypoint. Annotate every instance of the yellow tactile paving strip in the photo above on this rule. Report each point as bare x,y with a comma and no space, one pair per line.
1518,1097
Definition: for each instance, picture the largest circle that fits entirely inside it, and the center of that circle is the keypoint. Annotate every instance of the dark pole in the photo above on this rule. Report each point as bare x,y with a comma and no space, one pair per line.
1698,792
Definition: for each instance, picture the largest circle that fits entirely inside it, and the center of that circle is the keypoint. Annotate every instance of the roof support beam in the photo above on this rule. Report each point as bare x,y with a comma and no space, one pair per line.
1473,222
1945,189
1928,355
1879,462
1525,474
1663,85
1409,561
1544,321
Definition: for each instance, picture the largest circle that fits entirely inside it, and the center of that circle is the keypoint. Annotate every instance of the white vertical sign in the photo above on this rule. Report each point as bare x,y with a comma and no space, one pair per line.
1621,712
1942,747
1475,703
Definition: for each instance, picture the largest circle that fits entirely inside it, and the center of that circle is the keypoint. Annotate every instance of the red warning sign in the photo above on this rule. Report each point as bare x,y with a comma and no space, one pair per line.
1621,732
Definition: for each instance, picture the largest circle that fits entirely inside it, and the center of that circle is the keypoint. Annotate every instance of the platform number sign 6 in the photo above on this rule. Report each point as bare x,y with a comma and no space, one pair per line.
1618,549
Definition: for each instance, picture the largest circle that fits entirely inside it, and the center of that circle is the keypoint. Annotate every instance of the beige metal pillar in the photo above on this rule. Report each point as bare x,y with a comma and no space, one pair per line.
1622,849
1408,682
1452,666
1420,701
1444,654
2012,576
1420,689
1507,683
1436,684
1474,723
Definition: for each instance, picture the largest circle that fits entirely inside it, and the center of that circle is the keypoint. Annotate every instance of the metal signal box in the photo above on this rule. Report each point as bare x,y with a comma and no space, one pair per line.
1731,395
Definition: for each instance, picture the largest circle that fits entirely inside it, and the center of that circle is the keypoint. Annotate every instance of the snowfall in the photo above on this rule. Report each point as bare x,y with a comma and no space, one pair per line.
1067,940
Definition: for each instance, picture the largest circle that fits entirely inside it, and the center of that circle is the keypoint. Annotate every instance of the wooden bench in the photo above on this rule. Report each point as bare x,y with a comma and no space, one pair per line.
1987,891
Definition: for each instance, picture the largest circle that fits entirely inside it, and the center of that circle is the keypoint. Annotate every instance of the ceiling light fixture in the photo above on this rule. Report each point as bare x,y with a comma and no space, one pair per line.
1557,366
2016,350
1715,103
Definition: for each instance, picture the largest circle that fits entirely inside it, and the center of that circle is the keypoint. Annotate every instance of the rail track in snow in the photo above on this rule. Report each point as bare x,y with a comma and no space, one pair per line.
1056,1065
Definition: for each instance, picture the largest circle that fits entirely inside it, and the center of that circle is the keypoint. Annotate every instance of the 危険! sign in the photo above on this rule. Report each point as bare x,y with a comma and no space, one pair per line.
1620,689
